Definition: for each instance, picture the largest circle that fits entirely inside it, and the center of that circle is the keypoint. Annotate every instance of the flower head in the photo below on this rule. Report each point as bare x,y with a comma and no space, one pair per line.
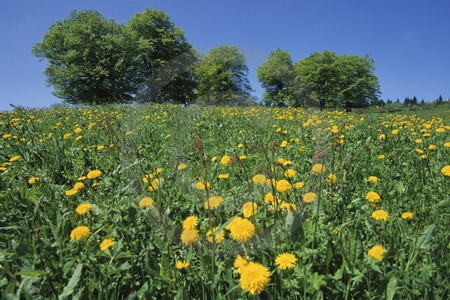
289,173
215,235
249,209
377,252
94,174
109,242
373,179
78,186
286,261
80,233
83,208
14,158
223,176
283,185
190,222
332,179
182,264
182,167
380,215
373,197
259,179
146,202
318,169
240,263
202,185
446,171
407,215
189,236
254,278
71,192
241,229
309,197
33,180
227,160
213,202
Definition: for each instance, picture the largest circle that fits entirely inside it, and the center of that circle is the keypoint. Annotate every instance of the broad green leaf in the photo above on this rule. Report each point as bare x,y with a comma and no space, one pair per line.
424,240
391,287
70,287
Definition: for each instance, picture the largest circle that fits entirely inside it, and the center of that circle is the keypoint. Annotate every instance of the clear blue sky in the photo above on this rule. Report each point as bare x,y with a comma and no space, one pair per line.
408,39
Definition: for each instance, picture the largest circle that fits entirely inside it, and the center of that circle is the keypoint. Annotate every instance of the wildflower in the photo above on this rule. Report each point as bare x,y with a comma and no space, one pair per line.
109,242
440,130
223,176
240,263
271,182
189,236
202,185
381,156
182,264
94,174
213,202
78,130
242,157
373,197
241,229
299,185
147,178
432,147
79,137
309,197
283,144
159,170
270,198
240,145
190,222
373,179
286,261
249,209
33,180
287,206
182,167
81,178
215,235
83,208
80,233
289,173
318,169
447,144
71,192
214,159
418,141
2,169
446,170
382,136
394,132
226,160
254,278
283,185
332,179
146,202
377,252
259,179
155,184
14,158
78,186
407,215
380,215
100,147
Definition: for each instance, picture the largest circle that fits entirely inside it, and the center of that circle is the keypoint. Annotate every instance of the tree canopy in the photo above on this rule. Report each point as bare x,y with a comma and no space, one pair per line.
222,77
94,60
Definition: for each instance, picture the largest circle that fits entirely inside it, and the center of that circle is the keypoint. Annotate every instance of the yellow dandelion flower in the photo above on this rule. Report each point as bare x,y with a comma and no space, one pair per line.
107,243
289,173
15,158
309,197
226,160
81,178
285,261
380,215
79,137
377,252
94,174
190,222
283,185
394,132
182,167
332,179
80,233
284,144
440,130
382,136
240,145
182,264
249,209
100,147
318,169
202,185
259,179
223,176
213,202
242,157
78,130
373,179
71,192
147,178
271,182
418,141
381,156
446,171
214,159
215,235
146,202
189,236
373,197
432,147
254,278
287,206
83,208
447,144
78,186
33,180
299,185
407,215
242,229
270,198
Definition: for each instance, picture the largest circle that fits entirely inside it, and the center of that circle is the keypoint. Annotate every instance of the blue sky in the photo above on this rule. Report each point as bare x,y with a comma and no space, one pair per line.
409,40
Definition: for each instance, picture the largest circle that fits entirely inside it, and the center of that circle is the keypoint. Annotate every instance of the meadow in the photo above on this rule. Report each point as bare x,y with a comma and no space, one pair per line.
164,202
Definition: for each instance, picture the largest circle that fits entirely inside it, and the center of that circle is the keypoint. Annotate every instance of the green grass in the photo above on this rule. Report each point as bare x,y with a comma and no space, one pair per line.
330,237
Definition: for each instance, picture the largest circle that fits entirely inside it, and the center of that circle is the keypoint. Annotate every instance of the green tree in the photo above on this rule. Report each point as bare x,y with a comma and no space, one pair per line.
92,60
222,77
276,75
339,80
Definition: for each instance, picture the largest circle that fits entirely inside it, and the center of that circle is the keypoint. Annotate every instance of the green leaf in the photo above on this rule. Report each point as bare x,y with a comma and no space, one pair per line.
69,288
391,288
32,273
424,240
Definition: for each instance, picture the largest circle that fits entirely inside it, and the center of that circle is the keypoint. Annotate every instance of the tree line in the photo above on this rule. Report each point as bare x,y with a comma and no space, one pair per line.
93,60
